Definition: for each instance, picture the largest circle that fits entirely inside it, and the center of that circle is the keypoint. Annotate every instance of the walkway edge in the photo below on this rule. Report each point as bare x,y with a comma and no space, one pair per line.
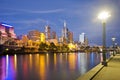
93,72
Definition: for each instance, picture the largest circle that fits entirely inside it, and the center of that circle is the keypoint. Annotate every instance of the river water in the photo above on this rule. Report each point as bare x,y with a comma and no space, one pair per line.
60,66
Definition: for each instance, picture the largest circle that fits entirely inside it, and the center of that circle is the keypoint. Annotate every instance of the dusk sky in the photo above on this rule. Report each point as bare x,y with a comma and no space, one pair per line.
80,15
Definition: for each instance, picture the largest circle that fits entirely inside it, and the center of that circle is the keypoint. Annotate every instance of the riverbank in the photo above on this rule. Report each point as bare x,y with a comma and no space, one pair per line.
23,51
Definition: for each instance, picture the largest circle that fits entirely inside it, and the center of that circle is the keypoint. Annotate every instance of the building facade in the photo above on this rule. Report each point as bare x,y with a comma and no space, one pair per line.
6,32
70,37
53,35
42,37
34,35
47,32
67,36
83,39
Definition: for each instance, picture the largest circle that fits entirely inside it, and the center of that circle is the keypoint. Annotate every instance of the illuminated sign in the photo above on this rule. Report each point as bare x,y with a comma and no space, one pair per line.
6,25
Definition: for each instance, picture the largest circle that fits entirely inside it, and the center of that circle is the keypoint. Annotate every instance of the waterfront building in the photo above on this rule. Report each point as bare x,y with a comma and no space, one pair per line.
83,39
34,35
42,37
6,32
25,40
10,32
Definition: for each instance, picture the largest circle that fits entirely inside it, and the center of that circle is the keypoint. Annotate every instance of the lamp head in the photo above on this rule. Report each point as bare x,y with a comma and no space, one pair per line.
113,39
104,16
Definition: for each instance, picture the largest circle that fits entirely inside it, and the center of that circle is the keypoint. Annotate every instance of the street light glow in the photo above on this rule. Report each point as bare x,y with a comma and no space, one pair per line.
103,15
113,39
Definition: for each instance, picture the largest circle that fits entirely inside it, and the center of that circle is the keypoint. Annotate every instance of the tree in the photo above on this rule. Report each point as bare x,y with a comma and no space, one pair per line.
52,47
43,46
65,48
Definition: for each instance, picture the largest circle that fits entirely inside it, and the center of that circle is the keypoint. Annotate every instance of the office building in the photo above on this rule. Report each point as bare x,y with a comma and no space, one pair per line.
70,37
34,35
47,32
83,39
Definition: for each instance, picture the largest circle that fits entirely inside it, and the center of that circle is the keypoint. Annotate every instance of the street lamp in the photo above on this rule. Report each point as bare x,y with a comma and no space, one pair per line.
113,40
104,16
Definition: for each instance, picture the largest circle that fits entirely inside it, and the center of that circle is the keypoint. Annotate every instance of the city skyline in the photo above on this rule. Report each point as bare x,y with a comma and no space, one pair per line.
80,16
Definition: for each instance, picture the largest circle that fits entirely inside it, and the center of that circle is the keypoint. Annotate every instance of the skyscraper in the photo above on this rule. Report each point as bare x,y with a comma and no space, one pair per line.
65,31
47,32
70,37
83,39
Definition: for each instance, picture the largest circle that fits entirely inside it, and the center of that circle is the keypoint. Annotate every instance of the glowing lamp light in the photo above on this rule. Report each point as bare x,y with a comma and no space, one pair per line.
6,49
113,39
104,15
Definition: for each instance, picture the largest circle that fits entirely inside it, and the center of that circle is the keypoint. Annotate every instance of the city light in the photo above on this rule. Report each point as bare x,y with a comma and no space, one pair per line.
104,15
4,24
71,46
113,39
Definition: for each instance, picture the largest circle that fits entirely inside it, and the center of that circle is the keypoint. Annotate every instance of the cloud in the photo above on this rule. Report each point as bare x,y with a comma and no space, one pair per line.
33,22
9,13
46,11
23,11
29,21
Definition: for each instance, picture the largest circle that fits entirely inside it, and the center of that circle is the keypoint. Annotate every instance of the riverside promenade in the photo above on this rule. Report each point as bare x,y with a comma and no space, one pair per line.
111,72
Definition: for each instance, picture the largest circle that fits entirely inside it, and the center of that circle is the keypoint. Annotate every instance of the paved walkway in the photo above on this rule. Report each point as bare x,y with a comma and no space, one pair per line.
111,72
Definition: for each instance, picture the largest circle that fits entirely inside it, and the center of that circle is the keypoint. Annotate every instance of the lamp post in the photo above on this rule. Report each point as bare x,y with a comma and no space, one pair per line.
113,40
104,16
0,39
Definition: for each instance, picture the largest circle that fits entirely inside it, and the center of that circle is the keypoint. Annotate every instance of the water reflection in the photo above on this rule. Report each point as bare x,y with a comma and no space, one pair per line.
55,60
8,68
71,60
30,61
15,61
57,66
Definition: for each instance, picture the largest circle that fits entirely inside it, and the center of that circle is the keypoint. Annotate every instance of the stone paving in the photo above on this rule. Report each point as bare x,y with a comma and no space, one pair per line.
112,71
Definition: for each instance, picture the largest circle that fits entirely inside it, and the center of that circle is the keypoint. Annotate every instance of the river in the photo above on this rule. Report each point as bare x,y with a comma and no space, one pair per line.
60,66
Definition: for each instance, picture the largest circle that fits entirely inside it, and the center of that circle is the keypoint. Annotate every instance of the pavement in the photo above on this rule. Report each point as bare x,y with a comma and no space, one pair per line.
111,72
100,72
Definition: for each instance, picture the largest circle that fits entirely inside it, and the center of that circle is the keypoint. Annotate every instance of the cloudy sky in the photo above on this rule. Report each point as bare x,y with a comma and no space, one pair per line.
80,15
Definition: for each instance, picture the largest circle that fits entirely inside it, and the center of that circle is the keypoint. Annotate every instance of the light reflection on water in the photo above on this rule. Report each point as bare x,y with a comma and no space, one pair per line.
61,66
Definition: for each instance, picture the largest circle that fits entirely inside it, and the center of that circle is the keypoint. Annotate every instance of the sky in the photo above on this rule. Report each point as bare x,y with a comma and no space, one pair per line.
80,15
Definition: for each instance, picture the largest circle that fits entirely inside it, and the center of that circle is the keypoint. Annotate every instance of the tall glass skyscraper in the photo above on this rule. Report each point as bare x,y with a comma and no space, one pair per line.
82,38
